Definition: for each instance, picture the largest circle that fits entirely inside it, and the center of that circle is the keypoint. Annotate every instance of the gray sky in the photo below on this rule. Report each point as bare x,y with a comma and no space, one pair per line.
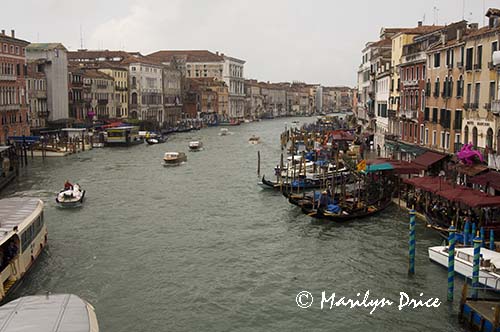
316,41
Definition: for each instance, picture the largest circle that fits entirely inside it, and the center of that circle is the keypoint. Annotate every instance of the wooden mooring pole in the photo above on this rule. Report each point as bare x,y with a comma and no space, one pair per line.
258,163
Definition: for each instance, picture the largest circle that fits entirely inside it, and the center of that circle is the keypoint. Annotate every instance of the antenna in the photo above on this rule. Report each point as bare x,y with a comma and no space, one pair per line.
463,10
484,12
81,38
436,17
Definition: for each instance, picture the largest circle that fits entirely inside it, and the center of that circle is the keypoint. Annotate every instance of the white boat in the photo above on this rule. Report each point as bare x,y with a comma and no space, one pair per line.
23,236
254,139
195,146
489,270
97,145
72,197
224,132
48,313
174,158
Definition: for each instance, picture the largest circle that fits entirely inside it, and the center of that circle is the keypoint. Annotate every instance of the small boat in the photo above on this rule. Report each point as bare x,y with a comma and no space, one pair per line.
340,214
195,146
254,139
156,140
489,269
174,158
58,312
71,197
97,145
224,132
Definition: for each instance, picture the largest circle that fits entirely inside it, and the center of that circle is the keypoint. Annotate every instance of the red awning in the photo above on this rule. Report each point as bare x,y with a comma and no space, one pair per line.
428,159
429,183
490,179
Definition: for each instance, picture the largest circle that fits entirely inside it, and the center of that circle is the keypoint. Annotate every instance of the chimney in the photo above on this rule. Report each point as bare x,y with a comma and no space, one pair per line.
13,33
419,23
217,52
473,26
459,34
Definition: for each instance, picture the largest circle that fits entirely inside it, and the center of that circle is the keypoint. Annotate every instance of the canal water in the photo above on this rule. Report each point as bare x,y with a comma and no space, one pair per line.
201,247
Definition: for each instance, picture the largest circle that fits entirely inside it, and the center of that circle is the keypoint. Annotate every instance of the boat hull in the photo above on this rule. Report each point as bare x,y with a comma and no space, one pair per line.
71,203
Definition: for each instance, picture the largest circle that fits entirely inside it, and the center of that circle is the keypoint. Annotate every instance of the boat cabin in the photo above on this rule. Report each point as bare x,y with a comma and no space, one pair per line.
124,136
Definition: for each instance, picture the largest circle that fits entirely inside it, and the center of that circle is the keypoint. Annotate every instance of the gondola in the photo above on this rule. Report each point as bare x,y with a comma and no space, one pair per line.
300,184
343,216
70,198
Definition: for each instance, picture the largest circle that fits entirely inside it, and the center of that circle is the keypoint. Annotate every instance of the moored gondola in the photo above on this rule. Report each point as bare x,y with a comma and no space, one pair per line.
343,215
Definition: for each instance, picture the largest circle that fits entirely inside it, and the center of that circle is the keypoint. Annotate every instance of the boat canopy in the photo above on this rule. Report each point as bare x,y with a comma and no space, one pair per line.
48,313
491,179
429,158
171,154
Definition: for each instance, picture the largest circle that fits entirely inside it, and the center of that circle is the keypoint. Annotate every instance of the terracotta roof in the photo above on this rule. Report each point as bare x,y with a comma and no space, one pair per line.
428,159
92,73
422,30
481,31
189,55
93,54
45,47
382,43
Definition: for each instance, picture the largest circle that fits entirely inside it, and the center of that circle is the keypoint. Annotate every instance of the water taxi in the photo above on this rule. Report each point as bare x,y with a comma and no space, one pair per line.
195,146
489,269
224,132
254,139
174,158
50,313
23,235
72,197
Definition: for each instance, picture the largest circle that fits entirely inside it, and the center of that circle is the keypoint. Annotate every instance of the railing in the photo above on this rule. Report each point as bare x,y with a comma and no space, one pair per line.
13,107
8,77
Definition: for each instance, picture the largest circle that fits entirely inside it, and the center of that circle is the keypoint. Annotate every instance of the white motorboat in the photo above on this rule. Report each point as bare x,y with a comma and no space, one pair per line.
195,146
254,139
489,270
72,197
96,145
174,158
224,132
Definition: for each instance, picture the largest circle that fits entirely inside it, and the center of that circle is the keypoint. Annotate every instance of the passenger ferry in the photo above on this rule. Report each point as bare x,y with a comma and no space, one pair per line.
61,312
123,136
23,235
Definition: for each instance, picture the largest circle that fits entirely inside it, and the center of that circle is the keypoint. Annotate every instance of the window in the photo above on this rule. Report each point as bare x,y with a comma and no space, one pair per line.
434,138
426,114
428,88
494,47
457,124
466,134
479,58
492,91
426,136
434,115
436,88
474,137
418,73
437,59
443,145
468,63
462,55
477,93
469,92
460,87
489,138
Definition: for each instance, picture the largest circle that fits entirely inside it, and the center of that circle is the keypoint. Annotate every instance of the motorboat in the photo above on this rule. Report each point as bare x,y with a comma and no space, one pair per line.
72,197
195,146
156,140
254,139
174,158
224,132
96,145
489,269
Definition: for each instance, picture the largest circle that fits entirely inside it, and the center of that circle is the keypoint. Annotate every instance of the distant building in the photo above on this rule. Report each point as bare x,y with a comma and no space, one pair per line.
36,83
55,68
102,92
120,78
13,103
172,95
80,95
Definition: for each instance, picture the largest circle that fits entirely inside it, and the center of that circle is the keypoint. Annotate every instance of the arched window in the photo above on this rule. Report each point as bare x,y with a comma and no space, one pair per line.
436,88
134,82
134,98
489,138
498,141
450,87
474,137
445,87
416,100
466,135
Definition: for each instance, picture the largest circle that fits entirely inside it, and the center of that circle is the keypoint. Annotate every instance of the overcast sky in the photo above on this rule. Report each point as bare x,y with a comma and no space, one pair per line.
316,41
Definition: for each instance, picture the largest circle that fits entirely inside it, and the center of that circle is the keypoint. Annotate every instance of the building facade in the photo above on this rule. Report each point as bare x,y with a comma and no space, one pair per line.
36,87
13,101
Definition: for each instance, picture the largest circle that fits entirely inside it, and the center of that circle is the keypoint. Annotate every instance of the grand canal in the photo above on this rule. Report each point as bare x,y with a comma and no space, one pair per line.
201,247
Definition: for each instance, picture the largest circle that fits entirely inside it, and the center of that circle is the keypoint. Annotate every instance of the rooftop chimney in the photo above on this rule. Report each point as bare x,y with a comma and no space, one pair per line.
473,26
13,33
419,23
3,32
217,52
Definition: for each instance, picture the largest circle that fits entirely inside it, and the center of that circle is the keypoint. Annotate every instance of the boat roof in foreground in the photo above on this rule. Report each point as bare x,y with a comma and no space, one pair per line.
41,313
13,212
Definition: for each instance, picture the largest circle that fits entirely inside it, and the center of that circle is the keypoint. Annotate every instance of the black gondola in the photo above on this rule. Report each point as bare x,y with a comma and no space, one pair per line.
354,214
156,140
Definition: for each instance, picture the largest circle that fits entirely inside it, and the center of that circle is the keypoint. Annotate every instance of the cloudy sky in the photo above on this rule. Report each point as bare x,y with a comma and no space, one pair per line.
316,41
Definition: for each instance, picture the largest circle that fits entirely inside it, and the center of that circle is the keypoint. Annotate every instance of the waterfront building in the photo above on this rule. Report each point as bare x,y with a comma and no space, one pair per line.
23,237
172,94
480,125
55,68
36,89
80,95
443,108
364,110
233,76
254,100
274,99
120,78
13,103
102,93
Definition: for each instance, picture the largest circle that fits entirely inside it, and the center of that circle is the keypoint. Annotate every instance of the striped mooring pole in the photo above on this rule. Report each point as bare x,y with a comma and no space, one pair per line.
451,262
466,233
483,245
475,266
492,240
473,233
411,244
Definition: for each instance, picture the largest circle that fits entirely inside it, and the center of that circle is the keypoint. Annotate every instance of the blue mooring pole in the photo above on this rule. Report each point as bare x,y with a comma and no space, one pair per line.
451,262
473,233
411,244
466,233
475,266
492,240
483,245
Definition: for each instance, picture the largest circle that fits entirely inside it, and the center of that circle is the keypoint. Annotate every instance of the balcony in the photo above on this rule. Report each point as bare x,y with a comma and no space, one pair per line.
43,114
8,77
40,94
13,107
119,88
495,107
460,65
102,101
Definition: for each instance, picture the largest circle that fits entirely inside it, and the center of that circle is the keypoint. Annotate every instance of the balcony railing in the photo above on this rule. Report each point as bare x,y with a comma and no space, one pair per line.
13,107
8,77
